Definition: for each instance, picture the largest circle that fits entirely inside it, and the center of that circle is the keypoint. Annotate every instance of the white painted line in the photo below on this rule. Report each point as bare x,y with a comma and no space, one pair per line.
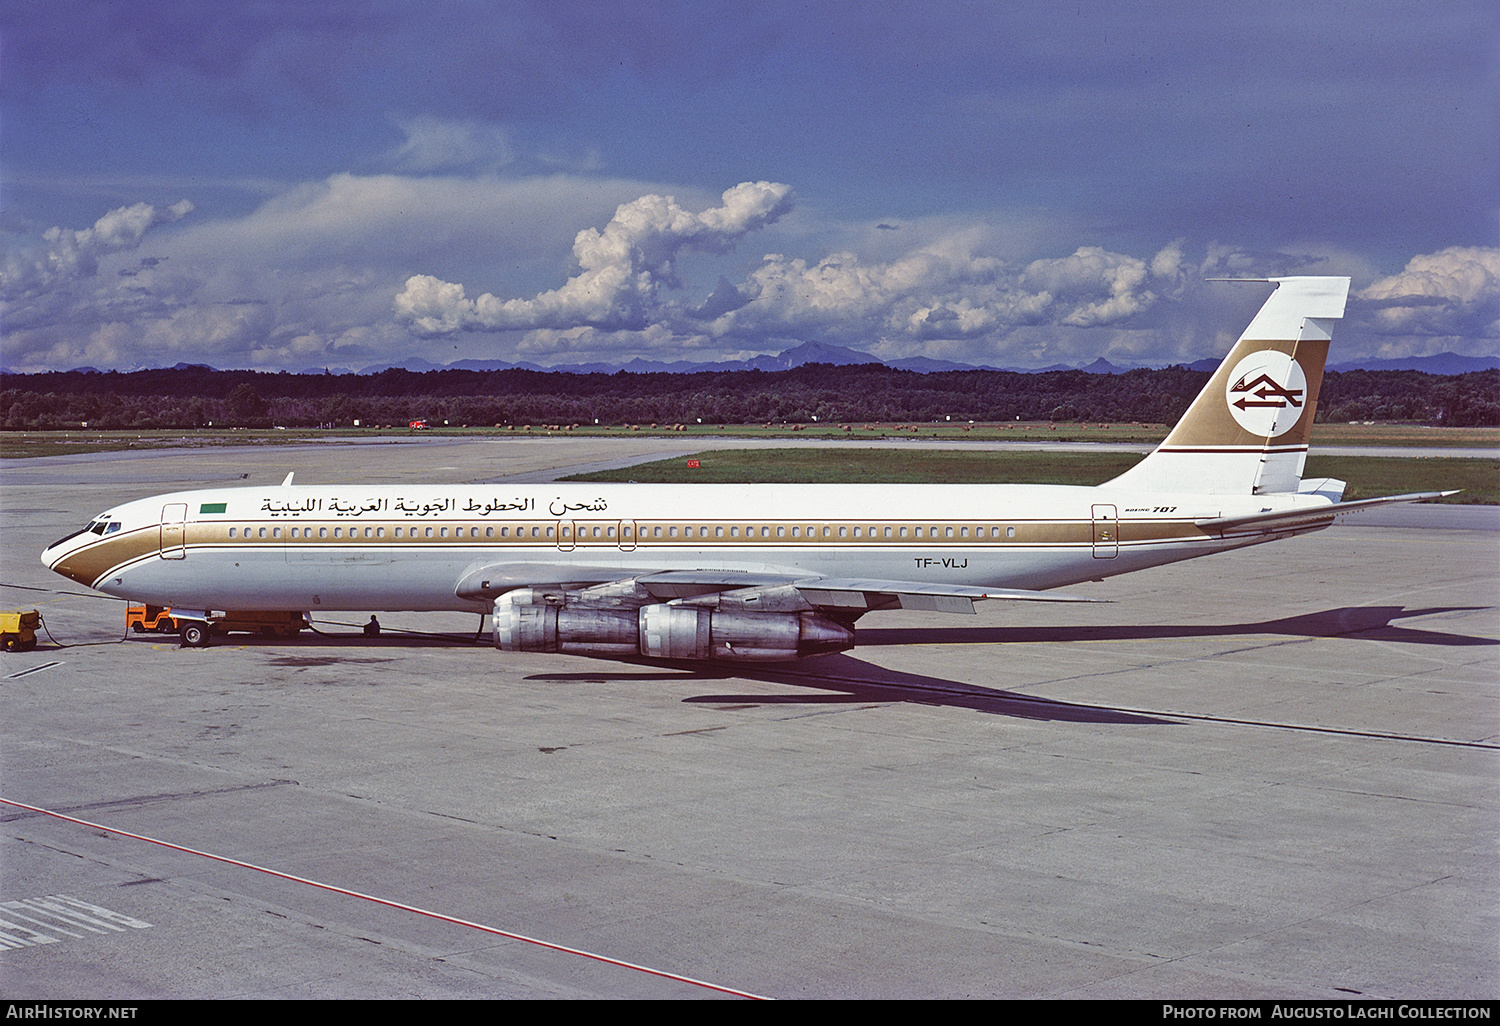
53,910
387,903
34,669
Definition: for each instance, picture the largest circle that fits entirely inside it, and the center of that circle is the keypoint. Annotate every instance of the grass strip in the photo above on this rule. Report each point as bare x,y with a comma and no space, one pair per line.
1368,476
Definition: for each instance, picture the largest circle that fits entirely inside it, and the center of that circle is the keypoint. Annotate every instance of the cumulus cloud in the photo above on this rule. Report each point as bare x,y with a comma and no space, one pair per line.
1451,292
1096,286
67,253
948,287
305,279
309,279
945,290
622,269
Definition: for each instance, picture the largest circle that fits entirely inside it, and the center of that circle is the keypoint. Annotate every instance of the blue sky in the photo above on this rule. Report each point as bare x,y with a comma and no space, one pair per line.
284,185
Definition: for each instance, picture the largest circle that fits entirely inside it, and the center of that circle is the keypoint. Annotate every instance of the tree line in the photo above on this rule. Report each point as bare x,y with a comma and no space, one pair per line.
195,397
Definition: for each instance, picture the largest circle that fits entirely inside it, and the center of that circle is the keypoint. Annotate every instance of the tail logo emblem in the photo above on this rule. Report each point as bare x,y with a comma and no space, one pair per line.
1266,394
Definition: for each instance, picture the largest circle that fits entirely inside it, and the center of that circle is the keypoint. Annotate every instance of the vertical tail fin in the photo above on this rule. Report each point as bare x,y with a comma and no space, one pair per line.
1247,431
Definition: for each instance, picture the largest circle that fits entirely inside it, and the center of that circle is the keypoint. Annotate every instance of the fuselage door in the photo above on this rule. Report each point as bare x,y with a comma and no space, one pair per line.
627,534
1106,531
174,530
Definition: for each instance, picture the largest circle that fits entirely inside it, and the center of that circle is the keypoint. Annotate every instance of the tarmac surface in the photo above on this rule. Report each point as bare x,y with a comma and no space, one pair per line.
1271,773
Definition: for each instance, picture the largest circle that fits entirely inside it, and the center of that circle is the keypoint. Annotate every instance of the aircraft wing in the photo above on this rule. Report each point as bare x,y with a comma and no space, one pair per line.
832,593
847,593
844,594
1308,519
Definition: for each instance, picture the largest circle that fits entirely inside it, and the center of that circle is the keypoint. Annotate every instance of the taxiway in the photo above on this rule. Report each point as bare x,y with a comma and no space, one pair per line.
1273,773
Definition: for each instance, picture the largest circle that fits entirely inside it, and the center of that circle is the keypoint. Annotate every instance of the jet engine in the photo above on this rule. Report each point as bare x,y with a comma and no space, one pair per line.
578,622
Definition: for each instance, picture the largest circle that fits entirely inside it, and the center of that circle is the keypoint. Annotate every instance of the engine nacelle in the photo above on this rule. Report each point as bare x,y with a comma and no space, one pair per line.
695,632
529,621
526,621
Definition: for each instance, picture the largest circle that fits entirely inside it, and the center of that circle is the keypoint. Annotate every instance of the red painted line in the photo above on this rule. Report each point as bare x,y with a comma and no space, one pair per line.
390,904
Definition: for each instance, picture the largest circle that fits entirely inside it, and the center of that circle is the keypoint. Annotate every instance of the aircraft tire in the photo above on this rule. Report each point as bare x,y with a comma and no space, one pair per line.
195,634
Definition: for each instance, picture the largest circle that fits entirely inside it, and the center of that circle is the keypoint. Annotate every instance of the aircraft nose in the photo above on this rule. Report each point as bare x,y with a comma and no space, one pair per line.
52,552
58,557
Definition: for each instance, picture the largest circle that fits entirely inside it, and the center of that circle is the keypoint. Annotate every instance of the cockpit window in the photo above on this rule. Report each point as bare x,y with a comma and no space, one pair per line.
114,525
94,526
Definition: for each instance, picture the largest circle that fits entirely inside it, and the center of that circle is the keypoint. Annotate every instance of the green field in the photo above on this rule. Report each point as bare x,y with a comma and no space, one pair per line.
1368,476
15,444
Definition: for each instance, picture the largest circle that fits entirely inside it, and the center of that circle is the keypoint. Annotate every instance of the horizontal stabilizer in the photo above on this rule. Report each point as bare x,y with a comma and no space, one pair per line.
1307,518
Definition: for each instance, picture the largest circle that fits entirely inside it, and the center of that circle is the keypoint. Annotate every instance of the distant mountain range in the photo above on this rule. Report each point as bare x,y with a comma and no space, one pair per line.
842,356
819,352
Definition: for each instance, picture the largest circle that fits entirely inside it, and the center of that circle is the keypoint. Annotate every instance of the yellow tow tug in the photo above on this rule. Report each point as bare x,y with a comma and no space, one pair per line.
18,629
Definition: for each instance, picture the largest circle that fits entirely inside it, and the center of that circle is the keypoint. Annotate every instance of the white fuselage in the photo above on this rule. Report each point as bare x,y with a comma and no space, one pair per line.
427,547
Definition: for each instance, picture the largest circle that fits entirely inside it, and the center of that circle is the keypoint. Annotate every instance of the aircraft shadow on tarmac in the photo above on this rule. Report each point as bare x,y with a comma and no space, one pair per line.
1361,623
844,679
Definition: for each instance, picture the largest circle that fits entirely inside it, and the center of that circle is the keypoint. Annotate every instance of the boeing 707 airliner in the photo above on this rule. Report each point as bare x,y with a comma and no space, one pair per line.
742,572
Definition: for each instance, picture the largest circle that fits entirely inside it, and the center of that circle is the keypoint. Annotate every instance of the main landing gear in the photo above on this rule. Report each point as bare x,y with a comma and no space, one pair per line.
196,634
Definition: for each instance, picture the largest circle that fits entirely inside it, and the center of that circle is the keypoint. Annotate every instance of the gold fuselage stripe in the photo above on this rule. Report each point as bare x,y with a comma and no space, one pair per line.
94,561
